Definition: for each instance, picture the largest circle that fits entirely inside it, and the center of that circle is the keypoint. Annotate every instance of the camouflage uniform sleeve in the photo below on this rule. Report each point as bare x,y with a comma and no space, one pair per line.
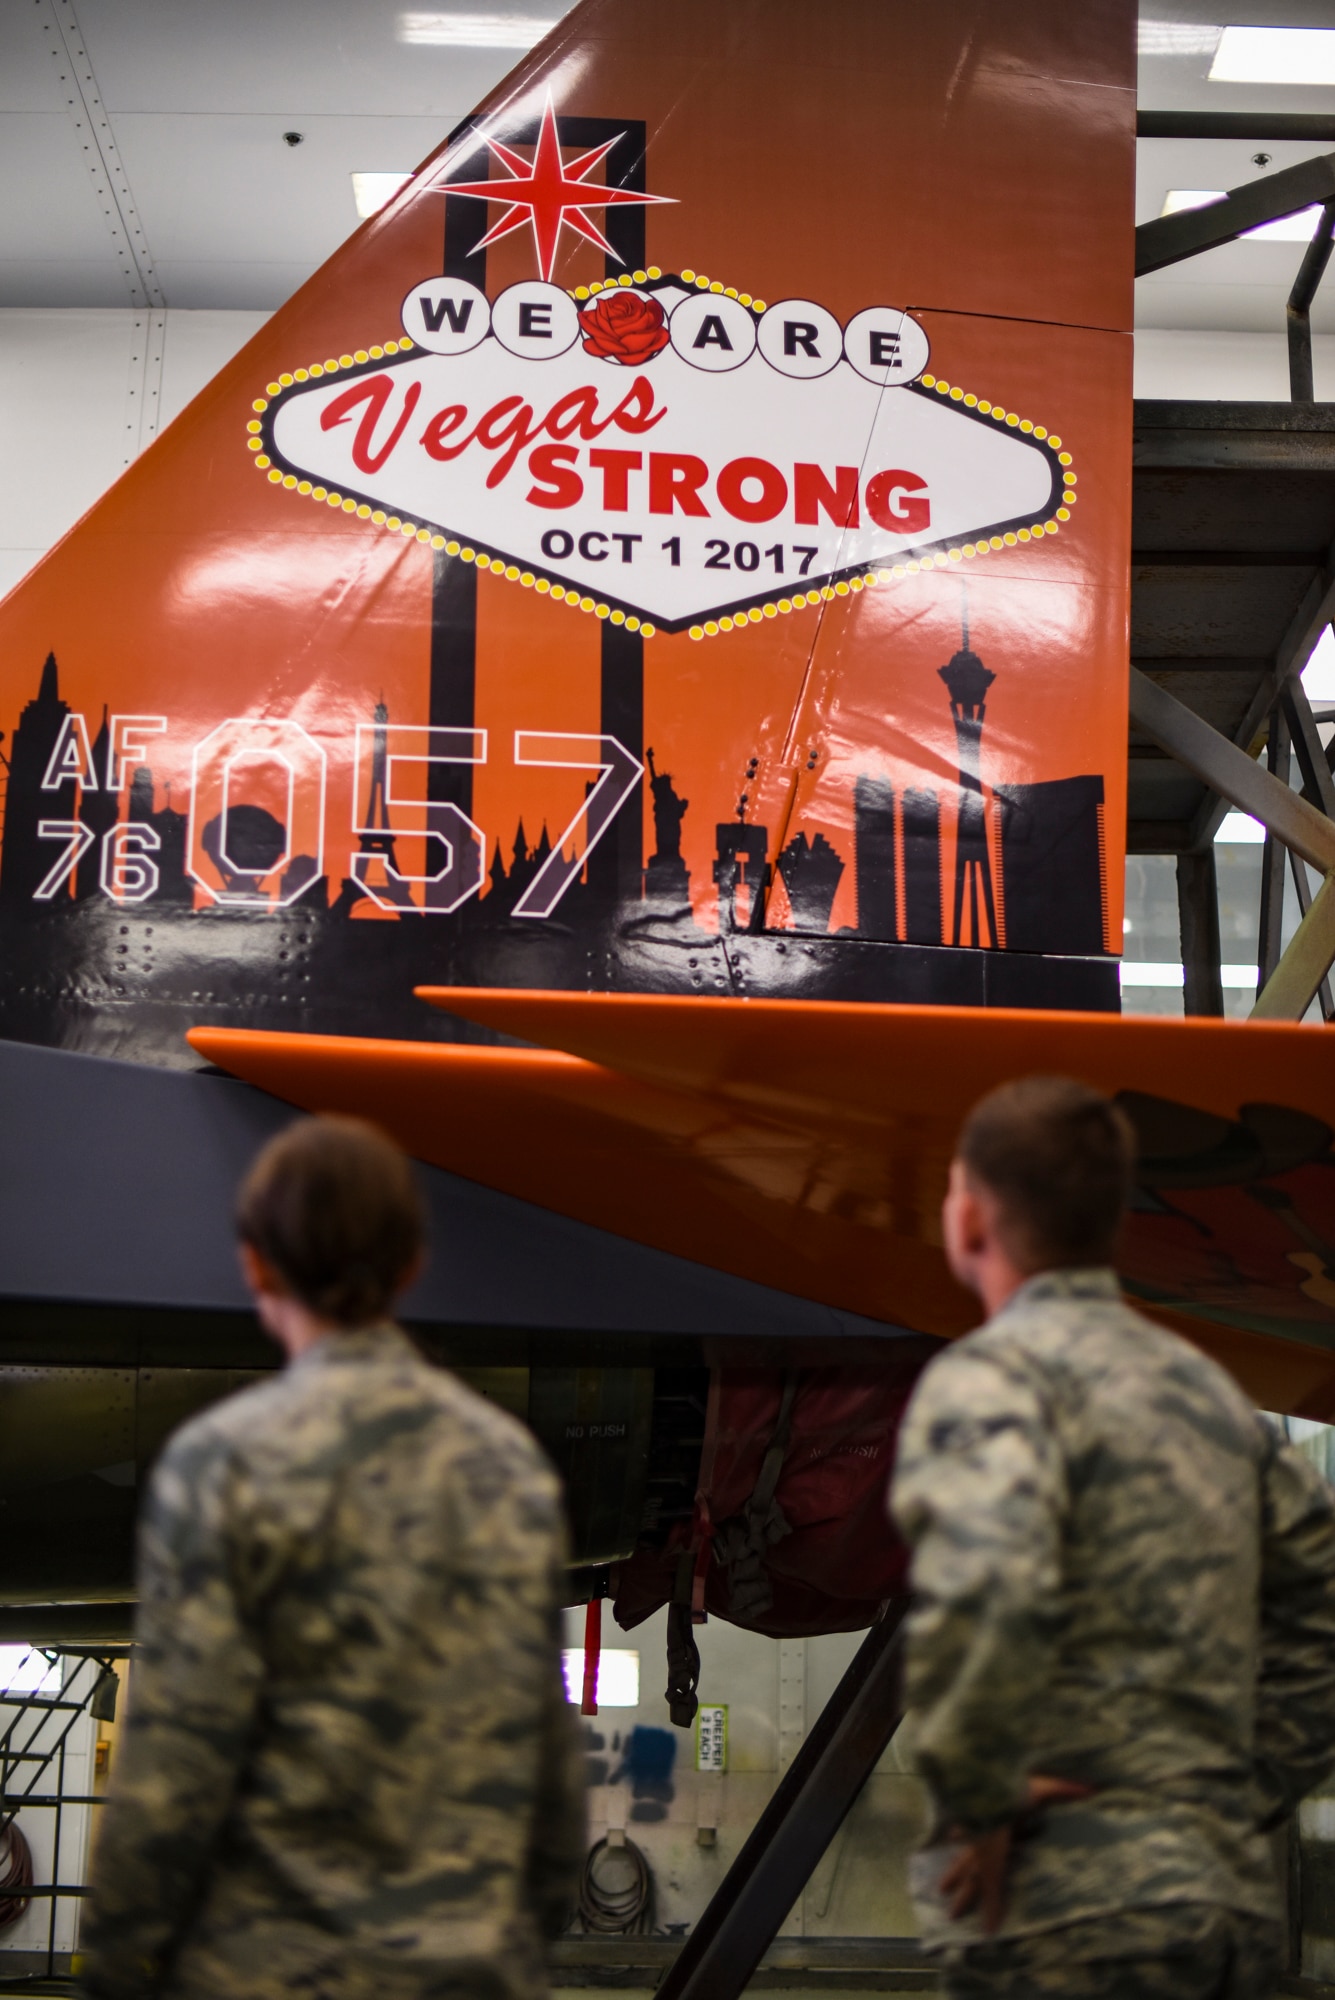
979,1494
560,1832
195,1678
1295,1711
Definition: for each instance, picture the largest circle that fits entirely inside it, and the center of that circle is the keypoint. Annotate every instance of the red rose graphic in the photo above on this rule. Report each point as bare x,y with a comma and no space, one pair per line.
621,326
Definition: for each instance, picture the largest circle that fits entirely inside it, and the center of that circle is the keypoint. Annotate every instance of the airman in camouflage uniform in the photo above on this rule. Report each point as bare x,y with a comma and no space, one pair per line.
1124,1598
349,1771
348,1767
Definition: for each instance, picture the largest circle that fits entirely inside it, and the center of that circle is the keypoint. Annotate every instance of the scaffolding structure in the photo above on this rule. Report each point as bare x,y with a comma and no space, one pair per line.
33,1745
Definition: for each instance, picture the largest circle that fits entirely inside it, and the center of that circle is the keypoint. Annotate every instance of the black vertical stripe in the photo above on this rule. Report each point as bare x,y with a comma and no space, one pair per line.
615,868
454,583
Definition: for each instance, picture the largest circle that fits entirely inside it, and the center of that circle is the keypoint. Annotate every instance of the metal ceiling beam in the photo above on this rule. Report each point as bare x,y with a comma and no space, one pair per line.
1170,436
1314,126
1251,665
120,211
1169,239
92,122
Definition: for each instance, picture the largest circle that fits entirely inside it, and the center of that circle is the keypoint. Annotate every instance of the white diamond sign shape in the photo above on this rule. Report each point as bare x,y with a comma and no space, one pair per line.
667,490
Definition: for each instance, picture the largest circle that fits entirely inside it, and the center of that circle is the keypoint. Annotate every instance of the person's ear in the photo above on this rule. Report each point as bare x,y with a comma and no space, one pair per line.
976,1218
962,1232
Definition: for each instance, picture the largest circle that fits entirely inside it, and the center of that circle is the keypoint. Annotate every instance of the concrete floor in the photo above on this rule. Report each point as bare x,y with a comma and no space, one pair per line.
833,1968
920,1984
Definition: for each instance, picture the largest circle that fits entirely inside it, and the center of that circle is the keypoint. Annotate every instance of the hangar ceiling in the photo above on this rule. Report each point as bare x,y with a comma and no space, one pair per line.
197,97
1242,287
192,99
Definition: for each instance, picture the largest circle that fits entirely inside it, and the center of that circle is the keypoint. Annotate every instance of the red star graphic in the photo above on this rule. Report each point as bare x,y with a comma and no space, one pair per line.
550,197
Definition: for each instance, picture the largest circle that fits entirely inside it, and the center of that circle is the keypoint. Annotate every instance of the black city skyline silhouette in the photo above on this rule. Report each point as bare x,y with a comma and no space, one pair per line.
1050,897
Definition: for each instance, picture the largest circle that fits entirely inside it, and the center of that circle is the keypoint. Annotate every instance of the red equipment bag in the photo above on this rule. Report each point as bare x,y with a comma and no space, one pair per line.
790,1534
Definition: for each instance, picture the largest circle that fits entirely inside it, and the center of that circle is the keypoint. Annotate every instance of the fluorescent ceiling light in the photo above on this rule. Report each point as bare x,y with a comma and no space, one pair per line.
1177,199
1177,38
474,31
618,1676
1164,972
1289,229
372,191
1275,55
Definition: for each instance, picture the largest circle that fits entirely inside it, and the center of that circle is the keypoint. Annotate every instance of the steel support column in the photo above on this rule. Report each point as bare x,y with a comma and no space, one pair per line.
1274,862
808,1805
1198,923
1299,308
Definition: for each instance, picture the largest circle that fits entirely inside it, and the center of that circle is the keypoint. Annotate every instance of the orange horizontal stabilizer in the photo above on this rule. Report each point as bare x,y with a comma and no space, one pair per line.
804,1145
684,1172
838,1061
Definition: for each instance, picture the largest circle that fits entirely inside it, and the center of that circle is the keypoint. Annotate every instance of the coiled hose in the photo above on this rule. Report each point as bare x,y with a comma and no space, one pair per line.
15,1873
616,1901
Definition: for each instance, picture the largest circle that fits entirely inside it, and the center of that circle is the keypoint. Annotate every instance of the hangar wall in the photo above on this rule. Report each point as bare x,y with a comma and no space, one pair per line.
1225,367
78,402
690,1823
